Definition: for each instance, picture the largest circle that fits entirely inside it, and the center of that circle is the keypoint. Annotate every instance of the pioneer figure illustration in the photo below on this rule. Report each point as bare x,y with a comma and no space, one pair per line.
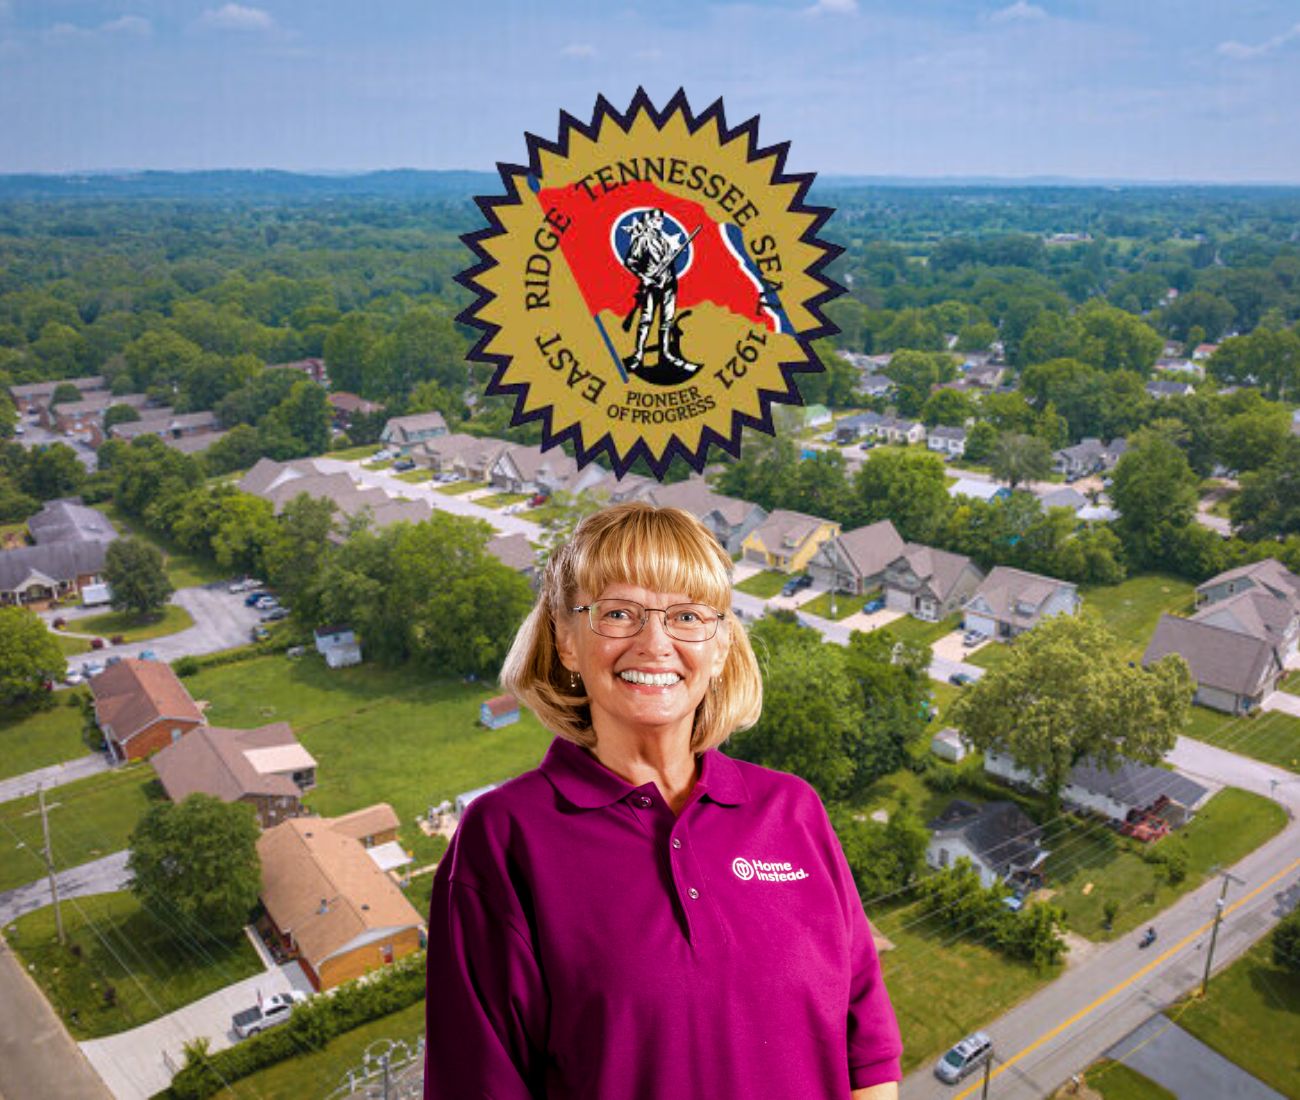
652,257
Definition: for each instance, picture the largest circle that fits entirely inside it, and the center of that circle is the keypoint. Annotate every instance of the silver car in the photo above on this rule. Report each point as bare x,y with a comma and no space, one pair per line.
966,1057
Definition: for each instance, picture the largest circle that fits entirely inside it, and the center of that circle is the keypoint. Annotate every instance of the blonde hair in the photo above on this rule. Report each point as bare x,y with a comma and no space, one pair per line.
663,549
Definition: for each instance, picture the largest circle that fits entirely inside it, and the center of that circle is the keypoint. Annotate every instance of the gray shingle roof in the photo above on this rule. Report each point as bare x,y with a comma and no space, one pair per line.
1218,657
1135,784
999,832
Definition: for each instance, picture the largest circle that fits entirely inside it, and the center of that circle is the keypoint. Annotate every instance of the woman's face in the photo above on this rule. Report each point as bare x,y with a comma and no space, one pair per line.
611,667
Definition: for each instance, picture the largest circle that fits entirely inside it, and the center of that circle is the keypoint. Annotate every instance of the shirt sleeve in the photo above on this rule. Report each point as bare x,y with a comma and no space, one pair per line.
875,1046
485,999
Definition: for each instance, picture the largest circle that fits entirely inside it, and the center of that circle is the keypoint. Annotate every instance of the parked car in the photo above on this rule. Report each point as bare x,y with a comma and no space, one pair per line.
539,499
447,478
97,643
275,615
404,464
265,603
966,1057
74,678
92,668
147,655
872,606
275,1009
974,637
114,660
796,584
251,599
382,456
961,679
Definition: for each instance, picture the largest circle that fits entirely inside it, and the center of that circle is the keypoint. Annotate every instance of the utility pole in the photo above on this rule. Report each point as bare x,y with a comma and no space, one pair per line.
988,1070
49,864
1214,932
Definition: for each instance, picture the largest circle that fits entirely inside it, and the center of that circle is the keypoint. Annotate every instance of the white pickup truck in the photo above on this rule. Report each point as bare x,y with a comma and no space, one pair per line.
273,1010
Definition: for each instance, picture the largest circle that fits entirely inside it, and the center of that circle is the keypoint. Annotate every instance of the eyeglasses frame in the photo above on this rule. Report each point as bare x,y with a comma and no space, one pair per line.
645,618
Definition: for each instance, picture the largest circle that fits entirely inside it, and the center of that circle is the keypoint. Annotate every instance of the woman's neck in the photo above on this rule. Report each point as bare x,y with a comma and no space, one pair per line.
666,761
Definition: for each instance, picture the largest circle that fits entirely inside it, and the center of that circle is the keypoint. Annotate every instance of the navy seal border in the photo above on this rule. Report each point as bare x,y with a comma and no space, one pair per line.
487,205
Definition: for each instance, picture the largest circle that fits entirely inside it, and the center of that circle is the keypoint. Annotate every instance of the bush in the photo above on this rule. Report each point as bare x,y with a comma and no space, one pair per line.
185,666
311,1027
1286,943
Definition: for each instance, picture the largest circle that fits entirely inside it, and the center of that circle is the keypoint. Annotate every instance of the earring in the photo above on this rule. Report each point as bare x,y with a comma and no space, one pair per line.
573,680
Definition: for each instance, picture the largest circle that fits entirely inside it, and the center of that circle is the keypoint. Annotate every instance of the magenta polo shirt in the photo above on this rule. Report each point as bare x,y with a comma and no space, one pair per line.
584,942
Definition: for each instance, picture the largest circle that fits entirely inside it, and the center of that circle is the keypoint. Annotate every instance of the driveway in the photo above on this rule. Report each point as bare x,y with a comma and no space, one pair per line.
1175,1058
951,647
1282,701
20,786
139,1063
99,876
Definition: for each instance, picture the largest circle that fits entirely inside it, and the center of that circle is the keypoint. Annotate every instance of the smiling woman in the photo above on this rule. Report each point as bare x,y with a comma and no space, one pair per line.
598,921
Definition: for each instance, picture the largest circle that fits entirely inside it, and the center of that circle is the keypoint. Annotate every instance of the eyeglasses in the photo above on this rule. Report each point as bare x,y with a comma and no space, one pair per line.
686,622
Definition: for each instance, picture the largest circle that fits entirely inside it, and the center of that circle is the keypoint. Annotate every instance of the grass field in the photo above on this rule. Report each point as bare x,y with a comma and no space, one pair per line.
456,488
414,476
38,740
1291,682
1251,1015
844,606
1131,610
764,585
503,500
993,655
319,1073
71,647
153,961
1226,828
88,819
1115,1081
919,632
352,454
135,628
1266,735
184,570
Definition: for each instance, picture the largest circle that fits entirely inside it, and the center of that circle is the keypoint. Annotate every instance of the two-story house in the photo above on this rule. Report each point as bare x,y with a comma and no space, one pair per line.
1010,601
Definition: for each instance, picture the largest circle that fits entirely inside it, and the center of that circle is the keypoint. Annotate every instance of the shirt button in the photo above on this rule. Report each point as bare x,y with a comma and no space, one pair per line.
645,801
677,842
693,893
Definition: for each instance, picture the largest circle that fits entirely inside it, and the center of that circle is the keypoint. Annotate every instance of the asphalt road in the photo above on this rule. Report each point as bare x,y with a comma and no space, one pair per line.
20,786
99,876
1094,1005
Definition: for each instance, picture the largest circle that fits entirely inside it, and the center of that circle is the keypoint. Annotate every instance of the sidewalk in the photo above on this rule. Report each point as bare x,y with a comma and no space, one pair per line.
20,786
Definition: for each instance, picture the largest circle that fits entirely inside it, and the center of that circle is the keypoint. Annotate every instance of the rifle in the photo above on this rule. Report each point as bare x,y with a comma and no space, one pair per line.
654,273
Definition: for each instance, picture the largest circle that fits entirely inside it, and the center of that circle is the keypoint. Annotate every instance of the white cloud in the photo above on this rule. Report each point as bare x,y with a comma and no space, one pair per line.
1020,11
578,49
1239,51
236,17
834,7
128,24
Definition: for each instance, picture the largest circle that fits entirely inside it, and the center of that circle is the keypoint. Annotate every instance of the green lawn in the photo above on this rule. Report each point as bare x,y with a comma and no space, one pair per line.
378,734
764,585
152,961
1229,826
135,628
503,500
38,740
415,475
455,488
1115,1081
1131,609
382,464
88,819
351,454
1266,735
71,647
1291,682
943,988
1251,1015
320,1072
184,570
993,655
844,606
919,632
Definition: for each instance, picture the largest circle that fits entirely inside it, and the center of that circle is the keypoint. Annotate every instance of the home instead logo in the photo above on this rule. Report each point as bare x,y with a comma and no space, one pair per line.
775,871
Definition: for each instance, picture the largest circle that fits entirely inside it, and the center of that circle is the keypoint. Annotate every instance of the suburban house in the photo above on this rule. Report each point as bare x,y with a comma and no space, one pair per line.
338,645
70,544
892,429
515,552
281,482
264,767
1089,456
929,584
1164,388
1063,497
347,405
875,385
855,427
1176,365
501,710
521,469
84,420
168,425
1268,577
34,397
141,707
972,489
371,827
949,442
313,368
786,541
329,904
1128,787
728,519
998,838
1204,351
402,433
987,376
470,457
855,562
814,416
1010,601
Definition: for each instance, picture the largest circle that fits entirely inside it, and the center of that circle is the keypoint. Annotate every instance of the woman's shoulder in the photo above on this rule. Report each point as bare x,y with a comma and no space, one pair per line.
768,784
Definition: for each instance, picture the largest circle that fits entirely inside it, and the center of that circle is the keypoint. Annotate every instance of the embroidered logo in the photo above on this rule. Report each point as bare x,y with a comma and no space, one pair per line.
649,284
766,871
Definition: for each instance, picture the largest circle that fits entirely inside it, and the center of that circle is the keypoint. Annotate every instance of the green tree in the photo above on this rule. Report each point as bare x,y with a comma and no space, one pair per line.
1251,440
980,440
1065,693
1018,458
950,407
134,569
65,393
29,658
238,449
915,372
8,415
911,489
52,471
297,556
119,414
1154,490
198,858
1268,505
1286,943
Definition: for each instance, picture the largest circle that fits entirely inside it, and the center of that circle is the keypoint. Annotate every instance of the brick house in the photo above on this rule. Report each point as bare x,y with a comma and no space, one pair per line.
141,707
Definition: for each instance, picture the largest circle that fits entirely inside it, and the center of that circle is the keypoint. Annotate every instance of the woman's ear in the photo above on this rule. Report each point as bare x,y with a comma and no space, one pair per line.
564,643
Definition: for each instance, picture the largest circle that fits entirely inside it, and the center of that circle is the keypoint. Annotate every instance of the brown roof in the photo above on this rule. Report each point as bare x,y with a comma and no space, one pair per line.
350,402
215,761
320,885
788,530
502,704
131,695
940,569
694,495
379,818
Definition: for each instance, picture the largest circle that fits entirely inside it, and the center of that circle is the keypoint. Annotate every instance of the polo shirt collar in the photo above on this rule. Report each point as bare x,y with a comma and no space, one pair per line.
587,784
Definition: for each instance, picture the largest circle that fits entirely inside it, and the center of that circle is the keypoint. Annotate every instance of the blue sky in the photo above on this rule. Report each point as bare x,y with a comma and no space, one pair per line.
1131,89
